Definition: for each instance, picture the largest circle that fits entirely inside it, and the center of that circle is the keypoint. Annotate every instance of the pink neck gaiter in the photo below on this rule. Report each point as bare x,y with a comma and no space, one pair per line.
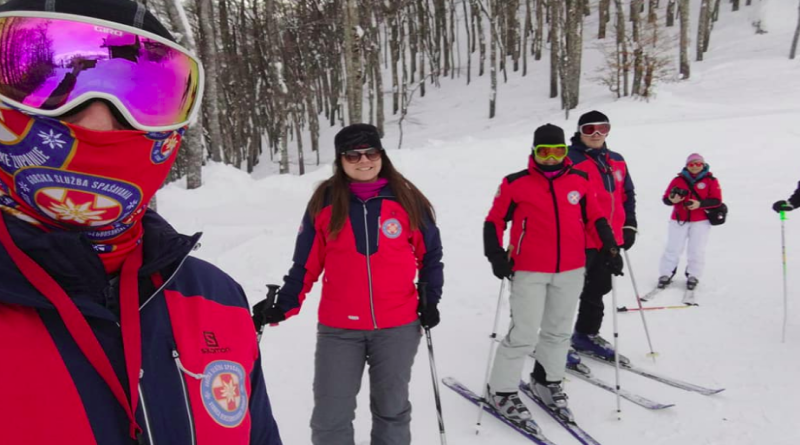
366,190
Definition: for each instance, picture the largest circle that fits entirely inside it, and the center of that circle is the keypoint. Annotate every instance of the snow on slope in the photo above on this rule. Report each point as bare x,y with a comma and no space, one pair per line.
740,110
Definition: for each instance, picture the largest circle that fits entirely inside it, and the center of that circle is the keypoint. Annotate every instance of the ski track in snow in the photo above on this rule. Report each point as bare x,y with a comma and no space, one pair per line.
739,109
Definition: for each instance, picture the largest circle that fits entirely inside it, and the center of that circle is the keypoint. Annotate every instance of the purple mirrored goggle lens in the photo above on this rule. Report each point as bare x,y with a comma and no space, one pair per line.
53,64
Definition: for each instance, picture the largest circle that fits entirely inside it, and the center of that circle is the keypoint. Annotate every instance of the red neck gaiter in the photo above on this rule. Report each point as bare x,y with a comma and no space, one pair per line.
64,177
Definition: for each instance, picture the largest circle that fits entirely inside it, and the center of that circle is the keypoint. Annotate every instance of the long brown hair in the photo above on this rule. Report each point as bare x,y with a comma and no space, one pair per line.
336,190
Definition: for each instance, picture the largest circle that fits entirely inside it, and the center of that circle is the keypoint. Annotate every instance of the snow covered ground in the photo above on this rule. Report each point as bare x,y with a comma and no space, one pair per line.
740,109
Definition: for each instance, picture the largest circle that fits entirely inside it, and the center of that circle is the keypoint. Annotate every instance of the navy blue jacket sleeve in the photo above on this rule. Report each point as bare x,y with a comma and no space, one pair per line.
630,200
307,265
794,200
264,429
431,270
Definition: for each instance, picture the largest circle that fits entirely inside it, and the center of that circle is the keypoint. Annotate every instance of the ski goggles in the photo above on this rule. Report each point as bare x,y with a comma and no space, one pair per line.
595,127
544,151
51,63
696,164
354,156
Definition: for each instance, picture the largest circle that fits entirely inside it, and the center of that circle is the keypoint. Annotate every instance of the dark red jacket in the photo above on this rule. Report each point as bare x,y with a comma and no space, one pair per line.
370,266
708,193
550,219
612,183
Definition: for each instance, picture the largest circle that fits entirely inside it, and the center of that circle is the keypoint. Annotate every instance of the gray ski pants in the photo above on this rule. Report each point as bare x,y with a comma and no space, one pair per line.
339,364
537,300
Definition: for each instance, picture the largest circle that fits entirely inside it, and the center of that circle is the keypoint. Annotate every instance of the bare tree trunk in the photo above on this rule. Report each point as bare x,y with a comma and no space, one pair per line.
555,57
378,76
793,51
603,15
476,14
714,15
301,163
470,40
622,46
638,63
702,28
394,49
353,66
538,33
423,27
573,37
493,57
735,5
512,31
206,19
671,13
526,32
652,11
684,39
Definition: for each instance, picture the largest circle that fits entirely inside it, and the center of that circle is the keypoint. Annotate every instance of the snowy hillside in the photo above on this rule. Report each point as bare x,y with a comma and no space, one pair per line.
740,109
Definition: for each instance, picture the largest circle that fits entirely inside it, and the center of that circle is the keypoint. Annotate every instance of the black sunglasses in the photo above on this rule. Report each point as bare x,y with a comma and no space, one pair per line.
354,156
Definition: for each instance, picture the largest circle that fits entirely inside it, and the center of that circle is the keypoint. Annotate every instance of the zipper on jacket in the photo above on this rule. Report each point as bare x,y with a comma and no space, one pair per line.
522,235
181,370
558,227
610,181
144,410
369,269
175,272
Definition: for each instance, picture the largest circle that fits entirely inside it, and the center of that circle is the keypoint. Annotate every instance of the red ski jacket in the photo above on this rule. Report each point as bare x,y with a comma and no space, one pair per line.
550,219
706,186
608,173
370,266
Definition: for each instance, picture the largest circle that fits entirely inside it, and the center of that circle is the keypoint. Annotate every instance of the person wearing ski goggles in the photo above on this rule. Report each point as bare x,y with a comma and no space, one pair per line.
120,334
553,210
612,182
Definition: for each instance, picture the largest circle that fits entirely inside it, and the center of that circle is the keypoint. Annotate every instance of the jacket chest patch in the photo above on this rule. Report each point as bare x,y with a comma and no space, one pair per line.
701,186
574,197
618,175
391,228
223,392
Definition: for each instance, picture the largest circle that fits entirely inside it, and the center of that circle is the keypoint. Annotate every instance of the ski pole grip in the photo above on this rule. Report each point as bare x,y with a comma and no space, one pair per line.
272,294
422,290
783,215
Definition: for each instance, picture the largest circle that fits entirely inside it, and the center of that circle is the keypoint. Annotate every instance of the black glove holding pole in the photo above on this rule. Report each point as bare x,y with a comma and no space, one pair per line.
610,249
266,312
427,311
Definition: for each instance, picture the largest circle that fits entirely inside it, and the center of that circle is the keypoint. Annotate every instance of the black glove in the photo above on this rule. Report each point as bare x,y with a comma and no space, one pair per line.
263,315
629,237
428,314
501,266
613,260
782,206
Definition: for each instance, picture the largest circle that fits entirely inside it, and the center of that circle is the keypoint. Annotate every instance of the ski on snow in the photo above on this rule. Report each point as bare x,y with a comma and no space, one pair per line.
625,394
572,427
528,428
628,366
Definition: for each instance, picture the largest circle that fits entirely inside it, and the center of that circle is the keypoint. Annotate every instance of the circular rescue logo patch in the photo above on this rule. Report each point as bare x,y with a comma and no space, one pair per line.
701,186
77,199
574,197
165,144
224,394
46,143
618,175
392,228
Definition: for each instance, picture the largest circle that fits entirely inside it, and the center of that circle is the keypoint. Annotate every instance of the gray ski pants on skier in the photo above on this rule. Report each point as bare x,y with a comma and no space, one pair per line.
339,364
545,300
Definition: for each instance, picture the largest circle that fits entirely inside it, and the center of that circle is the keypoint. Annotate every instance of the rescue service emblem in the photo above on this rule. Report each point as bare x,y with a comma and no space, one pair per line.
40,143
224,393
391,228
574,197
165,144
77,199
701,186
618,175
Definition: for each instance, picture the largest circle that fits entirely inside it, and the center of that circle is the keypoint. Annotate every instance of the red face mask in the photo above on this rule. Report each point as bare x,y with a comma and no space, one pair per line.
64,177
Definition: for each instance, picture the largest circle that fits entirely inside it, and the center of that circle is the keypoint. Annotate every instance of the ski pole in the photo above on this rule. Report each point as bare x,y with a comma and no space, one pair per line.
493,338
423,297
785,287
639,302
655,308
272,295
616,347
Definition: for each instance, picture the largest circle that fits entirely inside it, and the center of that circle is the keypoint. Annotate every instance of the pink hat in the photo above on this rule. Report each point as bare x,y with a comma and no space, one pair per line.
695,157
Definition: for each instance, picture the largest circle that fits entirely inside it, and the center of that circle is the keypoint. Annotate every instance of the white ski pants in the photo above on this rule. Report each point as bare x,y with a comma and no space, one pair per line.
546,300
695,234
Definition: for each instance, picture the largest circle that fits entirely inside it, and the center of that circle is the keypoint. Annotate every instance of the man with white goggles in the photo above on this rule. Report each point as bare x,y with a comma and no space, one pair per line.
53,62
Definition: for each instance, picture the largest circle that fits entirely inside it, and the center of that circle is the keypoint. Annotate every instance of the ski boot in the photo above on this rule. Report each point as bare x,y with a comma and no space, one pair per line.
596,346
553,396
664,281
574,363
692,283
510,406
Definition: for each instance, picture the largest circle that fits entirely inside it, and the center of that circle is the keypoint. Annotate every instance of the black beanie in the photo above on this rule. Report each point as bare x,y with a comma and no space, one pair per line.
124,12
548,134
357,136
593,116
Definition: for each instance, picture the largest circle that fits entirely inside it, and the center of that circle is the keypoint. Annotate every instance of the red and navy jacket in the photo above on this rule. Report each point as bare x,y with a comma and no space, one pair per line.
550,219
609,176
201,377
370,266
709,194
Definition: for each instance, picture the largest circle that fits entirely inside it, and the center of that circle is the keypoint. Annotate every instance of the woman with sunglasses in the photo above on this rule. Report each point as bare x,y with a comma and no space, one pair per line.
552,208
373,233
611,180
694,189
111,333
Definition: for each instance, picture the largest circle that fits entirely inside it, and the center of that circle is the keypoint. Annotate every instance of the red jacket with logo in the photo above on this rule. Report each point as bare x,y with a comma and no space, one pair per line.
708,193
370,266
608,173
550,219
